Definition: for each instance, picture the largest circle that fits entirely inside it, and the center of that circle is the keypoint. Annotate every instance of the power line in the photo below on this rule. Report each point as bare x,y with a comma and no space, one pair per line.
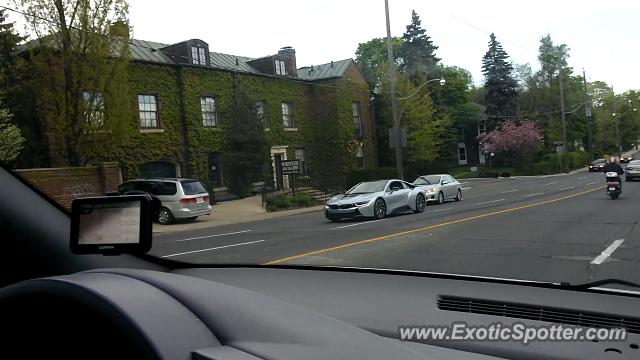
489,33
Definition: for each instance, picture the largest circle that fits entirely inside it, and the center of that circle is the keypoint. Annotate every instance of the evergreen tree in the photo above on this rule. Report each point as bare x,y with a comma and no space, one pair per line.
246,149
501,87
418,53
9,41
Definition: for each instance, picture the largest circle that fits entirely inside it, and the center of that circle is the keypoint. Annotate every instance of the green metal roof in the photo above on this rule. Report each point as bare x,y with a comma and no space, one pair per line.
150,51
324,71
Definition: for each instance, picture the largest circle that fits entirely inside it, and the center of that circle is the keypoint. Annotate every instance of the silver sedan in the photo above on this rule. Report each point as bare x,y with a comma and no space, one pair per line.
439,188
376,199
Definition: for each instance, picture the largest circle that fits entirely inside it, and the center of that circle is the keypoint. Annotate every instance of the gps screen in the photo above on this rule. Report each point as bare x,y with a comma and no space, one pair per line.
109,223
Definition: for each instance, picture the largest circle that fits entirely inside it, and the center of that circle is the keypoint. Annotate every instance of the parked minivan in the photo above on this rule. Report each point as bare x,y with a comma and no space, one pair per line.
179,198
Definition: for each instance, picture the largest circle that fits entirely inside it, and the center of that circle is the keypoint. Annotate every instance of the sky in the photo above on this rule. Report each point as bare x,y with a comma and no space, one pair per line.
604,36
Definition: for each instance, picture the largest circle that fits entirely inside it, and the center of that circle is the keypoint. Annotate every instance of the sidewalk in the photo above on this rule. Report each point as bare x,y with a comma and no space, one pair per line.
233,212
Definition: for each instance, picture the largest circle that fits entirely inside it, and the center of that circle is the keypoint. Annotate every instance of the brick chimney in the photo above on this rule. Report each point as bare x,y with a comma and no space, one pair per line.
290,54
119,28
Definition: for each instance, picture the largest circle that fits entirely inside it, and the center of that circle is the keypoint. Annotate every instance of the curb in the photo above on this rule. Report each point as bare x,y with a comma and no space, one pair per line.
212,223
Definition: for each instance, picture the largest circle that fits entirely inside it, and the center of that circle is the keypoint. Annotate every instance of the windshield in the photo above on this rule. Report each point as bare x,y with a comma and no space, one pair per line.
427,180
367,187
254,127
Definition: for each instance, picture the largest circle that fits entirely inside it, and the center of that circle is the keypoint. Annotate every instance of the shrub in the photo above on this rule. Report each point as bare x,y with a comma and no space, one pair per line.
284,201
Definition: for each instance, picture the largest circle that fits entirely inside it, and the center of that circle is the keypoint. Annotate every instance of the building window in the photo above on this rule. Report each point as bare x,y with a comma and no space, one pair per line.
482,128
208,107
148,109
287,115
93,108
299,154
198,55
462,154
281,68
261,114
357,119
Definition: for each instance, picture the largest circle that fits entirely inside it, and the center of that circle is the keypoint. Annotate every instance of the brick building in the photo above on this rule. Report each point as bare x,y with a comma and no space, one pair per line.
180,94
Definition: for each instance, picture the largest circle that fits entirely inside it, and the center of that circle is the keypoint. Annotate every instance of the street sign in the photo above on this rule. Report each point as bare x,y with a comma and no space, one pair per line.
290,167
393,137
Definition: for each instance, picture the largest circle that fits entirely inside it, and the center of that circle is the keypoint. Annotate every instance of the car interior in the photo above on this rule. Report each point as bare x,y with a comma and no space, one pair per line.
57,304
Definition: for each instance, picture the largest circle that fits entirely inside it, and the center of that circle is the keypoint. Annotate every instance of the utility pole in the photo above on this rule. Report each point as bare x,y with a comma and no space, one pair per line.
564,125
587,113
615,119
394,104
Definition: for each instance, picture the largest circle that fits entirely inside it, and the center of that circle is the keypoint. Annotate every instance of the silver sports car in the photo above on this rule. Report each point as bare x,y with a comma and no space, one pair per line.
439,188
376,199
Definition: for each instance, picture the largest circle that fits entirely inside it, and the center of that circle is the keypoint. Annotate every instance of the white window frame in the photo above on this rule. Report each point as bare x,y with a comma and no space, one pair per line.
198,55
287,115
145,106
281,67
209,111
356,112
261,113
93,108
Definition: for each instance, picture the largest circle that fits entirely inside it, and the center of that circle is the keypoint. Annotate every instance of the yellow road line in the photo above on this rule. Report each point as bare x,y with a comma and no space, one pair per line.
476,217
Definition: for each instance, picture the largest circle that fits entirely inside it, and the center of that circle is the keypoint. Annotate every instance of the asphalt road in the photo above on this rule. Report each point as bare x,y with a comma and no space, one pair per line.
554,228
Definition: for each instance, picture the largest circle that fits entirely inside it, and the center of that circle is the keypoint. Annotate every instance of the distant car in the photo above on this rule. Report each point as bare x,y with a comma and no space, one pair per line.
625,159
597,165
375,199
179,198
439,188
632,171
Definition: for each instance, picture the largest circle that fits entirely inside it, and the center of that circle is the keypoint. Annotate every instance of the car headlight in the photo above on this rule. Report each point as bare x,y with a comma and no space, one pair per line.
362,203
326,207
431,190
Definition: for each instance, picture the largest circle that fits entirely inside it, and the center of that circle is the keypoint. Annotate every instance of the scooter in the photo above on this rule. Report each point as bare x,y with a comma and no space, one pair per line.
614,188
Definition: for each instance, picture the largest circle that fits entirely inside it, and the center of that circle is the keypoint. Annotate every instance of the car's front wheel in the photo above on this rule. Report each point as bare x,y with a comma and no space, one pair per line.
420,204
165,216
459,195
440,198
379,209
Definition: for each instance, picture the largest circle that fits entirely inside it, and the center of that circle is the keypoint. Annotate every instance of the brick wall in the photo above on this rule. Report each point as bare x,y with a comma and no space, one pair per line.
67,183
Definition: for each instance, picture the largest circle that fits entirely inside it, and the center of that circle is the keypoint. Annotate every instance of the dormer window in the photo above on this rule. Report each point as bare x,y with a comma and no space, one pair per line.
198,55
281,67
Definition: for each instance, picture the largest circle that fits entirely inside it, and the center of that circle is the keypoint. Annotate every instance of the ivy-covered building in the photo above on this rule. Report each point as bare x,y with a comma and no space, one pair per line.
318,114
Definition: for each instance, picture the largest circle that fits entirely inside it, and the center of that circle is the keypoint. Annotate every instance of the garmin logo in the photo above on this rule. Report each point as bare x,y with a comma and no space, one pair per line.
106,247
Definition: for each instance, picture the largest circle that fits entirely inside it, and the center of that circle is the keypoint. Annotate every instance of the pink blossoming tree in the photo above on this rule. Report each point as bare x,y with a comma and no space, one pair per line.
516,141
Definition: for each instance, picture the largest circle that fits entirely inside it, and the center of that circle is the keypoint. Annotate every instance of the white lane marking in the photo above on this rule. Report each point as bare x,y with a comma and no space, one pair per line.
533,194
509,191
213,248
489,202
551,183
568,188
216,235
466,188
356,224
580,178
595,182
607,252
439,210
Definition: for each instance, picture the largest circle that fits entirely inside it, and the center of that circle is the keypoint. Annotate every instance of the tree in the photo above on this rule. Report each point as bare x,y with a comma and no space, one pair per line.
418,53
371,56
78,64
9,40
501,87
552,58
425,129
246,149
10,138
511,139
